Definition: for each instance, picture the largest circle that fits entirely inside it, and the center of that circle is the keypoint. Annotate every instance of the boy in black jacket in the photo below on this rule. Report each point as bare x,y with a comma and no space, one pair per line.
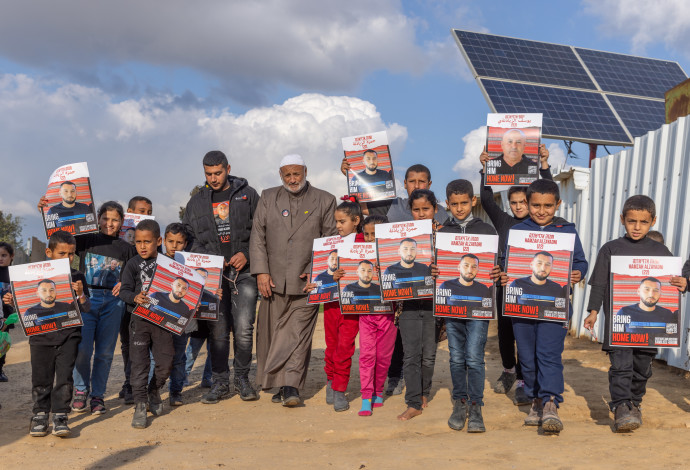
630,367
466,338
503,221
144,335
53,354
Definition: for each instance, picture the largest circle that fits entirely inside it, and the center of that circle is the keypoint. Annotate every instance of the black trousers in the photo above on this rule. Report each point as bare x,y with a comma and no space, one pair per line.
51,375
124,344
145,336
630,369
506,338
418,330
396,367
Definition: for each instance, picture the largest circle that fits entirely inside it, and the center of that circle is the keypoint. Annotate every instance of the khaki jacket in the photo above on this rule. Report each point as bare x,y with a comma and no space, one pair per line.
284,252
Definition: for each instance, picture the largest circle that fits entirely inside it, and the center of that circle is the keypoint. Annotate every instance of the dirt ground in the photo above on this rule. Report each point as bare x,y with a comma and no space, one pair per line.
261,434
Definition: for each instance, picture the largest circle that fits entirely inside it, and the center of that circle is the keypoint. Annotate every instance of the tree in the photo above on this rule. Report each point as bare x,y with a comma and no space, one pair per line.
195,190
10,229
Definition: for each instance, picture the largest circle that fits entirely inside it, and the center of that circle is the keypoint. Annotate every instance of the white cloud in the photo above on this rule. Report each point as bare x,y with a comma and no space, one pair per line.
468,166
154,148
556,155
247,48
645,23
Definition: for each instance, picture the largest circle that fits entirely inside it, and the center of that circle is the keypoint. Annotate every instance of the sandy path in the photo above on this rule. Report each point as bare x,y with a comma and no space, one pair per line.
235,434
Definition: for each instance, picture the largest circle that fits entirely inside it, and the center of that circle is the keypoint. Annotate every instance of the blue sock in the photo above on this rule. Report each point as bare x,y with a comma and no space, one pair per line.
366,407
378,400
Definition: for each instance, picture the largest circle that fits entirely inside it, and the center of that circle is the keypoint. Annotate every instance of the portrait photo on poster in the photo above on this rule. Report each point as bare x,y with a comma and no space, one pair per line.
512,142
129,224
69,201
538,266
645,308
405,255
360,287
324,265
44,297
210,268
464,288
370,177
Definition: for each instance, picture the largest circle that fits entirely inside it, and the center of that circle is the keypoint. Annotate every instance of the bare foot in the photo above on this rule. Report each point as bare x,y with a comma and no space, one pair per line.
409,414
425,402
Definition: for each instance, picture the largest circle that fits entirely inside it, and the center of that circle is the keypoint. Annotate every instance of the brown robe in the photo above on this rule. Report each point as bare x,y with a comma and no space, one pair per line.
284,228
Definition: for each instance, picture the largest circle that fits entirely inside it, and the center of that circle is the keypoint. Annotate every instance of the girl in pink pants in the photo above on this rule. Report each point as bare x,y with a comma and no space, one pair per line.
377,334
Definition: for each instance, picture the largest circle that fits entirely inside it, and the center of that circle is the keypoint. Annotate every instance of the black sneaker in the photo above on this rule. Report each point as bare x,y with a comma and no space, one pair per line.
155,402
3,377
475,422
505,382
176,399
291,397
245,389
395,386
60,427
129,398
121,393
625,420
218,392
39,425
97,406
521,397
139,418
458,416
278,397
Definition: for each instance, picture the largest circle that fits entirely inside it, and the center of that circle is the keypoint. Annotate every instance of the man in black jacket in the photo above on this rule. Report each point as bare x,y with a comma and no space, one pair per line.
227,237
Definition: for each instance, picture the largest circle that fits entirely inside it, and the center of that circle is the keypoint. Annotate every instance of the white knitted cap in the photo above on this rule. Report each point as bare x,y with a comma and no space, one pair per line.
292,159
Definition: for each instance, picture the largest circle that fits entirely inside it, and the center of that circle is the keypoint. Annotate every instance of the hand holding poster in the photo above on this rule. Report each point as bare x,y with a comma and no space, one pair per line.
209,267
70,202
538,267
360,288
405,255
174,294
464,288
324,263
370,177
129,225
512,142
645,307
44,297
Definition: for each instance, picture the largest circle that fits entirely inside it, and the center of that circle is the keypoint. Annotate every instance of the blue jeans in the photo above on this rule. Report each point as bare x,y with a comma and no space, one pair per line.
237,314
99,333
177,374
193,349
466,342
540,347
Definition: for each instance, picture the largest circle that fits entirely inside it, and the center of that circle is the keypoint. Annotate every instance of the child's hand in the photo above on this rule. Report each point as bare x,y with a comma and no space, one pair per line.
495,273
116,289
575,276
344,166
504,278
543,156
310,287
338,274
484,156
219,293
434,270
591,320
7,298
141,298
78,288
680,283
43,202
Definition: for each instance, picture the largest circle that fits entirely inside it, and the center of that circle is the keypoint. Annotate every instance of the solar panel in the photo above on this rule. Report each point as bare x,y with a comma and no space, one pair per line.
568,114
521,76
630,75
527,61
640,116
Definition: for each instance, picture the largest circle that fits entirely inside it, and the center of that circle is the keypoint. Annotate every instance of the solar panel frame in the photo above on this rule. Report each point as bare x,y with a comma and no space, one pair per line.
639,114
610,89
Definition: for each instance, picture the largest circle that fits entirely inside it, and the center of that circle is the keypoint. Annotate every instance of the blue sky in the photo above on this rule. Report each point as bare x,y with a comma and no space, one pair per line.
141,91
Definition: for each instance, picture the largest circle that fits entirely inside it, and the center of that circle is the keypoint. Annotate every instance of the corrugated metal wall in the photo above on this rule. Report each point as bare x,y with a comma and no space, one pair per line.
658,165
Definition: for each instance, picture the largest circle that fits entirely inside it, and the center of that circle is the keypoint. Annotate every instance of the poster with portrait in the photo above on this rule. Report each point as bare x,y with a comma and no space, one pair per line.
464,288
209,267
370,177
324,263
129,224
102,271
43,296
174,294
645,308
512,142
360,287
538,265
405,255
70,201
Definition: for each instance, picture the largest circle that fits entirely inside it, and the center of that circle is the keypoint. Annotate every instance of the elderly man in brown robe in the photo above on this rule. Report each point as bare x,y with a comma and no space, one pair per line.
287,220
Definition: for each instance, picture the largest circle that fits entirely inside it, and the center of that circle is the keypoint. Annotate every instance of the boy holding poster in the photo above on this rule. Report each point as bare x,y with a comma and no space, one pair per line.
513,146
370,172
466,250
631,367
53,353
540,343
69,201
